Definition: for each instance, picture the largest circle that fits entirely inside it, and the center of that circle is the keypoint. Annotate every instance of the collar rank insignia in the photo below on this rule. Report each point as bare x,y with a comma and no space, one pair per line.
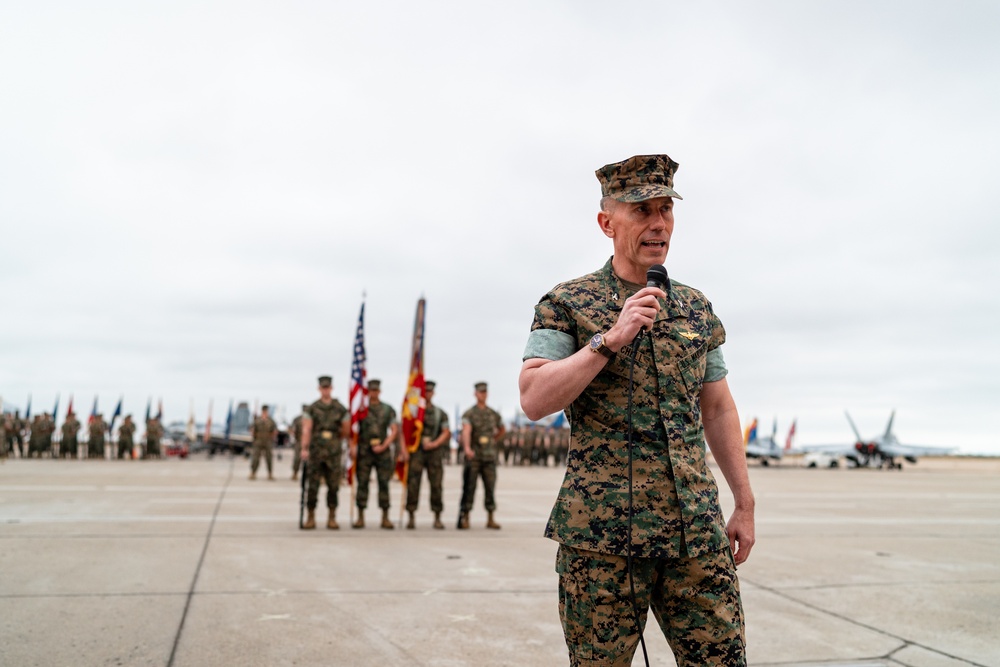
690,335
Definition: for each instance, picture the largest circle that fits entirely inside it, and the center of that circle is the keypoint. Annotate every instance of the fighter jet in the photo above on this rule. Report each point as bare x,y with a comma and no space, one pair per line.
879,452
765,449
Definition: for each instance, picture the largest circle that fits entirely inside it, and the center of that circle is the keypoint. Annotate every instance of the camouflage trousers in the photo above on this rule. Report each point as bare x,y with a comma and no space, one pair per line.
297,459
95,448
696,602
430,461
67,449
477,468
124,449
384,468
325,469
258,449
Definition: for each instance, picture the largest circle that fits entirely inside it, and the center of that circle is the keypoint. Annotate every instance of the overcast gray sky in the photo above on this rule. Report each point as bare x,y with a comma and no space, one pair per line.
195,195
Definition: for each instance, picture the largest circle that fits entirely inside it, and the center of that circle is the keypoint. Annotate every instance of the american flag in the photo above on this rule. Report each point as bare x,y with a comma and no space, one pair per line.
359,390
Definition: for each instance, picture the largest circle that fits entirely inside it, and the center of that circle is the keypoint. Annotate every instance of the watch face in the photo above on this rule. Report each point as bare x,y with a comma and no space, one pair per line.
596,342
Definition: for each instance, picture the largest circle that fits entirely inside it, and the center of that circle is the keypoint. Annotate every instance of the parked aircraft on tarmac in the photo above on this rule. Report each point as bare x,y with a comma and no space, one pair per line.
765,449
235,437
879,452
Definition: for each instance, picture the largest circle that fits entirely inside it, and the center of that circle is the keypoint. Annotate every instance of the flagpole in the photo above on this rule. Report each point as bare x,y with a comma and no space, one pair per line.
357,409
414,403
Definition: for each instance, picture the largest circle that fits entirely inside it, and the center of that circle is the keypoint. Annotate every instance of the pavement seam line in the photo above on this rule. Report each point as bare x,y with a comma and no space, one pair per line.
906,642
201,561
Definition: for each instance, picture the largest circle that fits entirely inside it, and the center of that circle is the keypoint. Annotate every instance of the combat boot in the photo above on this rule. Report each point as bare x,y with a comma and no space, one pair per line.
253,475
411,524
331,523
385,520
310,521
360,523
295,475
490,523
463,521
437,521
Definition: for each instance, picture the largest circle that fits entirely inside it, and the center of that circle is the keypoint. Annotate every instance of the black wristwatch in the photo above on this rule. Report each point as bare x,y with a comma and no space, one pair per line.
597,345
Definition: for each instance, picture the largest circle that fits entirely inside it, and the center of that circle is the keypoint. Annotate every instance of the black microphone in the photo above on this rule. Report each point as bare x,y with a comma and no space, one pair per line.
656,276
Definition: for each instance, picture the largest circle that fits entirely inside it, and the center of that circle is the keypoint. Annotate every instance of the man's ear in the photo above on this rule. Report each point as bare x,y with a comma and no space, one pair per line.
604,222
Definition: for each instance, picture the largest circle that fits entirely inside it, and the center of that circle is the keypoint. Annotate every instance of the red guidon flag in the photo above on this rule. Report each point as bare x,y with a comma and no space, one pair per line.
415,401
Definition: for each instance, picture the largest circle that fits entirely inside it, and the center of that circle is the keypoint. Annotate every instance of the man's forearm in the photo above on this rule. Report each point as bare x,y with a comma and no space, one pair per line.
725,439
722,432
550,386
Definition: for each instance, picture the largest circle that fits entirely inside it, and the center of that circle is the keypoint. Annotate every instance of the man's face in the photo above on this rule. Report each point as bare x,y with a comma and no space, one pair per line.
325,392
373,395
428,394
481,395
641,231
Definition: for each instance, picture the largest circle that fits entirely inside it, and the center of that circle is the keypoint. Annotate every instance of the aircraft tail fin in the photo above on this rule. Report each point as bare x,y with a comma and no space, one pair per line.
791,436
888,428
853,427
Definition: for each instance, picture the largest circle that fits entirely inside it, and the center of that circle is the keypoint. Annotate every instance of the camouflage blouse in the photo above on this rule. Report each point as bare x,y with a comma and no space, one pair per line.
485,423
326,421
263,430
375,427
676,509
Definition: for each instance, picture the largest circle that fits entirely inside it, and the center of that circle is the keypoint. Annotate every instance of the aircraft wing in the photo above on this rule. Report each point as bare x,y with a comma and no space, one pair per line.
915,450
755,451
833,450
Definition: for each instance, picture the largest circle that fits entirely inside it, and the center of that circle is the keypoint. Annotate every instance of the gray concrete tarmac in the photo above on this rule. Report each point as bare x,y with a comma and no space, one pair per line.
187,562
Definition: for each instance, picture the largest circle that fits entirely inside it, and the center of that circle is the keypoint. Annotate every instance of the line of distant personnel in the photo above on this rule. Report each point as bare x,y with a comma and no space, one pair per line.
36,438
522,445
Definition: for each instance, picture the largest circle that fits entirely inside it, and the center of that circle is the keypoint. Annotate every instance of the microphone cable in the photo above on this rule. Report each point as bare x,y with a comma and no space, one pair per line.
628,556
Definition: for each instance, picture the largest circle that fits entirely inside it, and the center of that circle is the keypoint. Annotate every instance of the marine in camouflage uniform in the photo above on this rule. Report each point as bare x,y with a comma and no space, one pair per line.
48,428
154,431
126,438
559,439
325,425
530,443
508,446
296,428
578,358
70,443
482,427
433,441
95,443
376,434
264,432
17,436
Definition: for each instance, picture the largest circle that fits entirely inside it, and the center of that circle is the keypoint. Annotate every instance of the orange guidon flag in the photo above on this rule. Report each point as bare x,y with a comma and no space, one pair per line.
415,401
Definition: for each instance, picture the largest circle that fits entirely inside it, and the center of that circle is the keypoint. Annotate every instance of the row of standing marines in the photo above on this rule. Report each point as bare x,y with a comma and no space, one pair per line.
320,432
37,434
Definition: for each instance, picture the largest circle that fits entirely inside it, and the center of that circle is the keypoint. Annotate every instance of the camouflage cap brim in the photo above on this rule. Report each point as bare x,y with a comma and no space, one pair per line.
644,192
